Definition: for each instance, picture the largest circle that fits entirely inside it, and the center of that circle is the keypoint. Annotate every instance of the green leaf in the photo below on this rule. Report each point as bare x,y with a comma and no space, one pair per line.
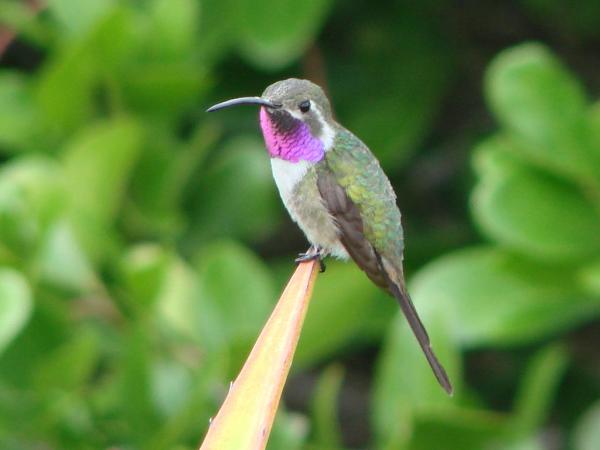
594,117
537,390
587,432
135,386
18,16
530,211
327,432
98,164
405,386
75,17
185,389
389,93
290,431
163,87
73,72
161,286
459,429
160,180
84,68
589,277
174,24
217,31
69,367
144,269
158,280
62,262
545,109
48,327
490,297
171,385
18,118
352,310
274,33
236,197
15,307
32,197
115,42
236,286
176,298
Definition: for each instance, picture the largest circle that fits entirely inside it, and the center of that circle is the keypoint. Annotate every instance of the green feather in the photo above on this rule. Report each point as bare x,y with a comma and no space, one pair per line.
357,170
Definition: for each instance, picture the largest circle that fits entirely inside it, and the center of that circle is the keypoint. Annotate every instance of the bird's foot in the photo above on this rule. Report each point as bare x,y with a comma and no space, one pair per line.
314,252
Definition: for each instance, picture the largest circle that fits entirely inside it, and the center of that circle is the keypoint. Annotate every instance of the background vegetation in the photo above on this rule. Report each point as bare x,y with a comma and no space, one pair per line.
142,242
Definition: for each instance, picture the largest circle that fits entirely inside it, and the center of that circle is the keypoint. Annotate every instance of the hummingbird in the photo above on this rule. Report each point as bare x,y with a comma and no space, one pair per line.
336,191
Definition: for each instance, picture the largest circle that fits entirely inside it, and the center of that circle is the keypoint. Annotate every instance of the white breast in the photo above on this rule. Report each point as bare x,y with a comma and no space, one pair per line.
306,208
287,175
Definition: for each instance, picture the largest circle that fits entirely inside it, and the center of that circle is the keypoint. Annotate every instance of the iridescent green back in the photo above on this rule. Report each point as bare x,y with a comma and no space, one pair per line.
359,173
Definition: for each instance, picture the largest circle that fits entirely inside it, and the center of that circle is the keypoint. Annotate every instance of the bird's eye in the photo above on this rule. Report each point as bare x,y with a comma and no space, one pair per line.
304,106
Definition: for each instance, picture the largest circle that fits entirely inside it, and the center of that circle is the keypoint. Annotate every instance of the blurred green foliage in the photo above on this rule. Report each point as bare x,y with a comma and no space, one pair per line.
142,243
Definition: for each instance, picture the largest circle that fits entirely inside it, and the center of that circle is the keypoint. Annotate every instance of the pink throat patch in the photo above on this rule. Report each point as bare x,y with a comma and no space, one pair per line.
293,144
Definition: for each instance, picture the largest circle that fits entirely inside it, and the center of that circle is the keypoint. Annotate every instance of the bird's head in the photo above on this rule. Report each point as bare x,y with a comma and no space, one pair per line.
295,117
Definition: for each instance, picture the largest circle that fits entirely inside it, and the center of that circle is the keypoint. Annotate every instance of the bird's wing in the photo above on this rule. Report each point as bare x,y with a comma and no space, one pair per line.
350,225
359,197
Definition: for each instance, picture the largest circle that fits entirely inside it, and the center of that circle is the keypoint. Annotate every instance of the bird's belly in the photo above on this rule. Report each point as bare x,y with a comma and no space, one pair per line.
298,189
314,220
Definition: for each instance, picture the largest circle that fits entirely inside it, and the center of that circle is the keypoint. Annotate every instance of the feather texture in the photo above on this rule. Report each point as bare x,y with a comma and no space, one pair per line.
362,203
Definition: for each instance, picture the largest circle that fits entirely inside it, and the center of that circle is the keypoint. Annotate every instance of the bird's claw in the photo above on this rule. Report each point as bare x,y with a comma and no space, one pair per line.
310,255
322,266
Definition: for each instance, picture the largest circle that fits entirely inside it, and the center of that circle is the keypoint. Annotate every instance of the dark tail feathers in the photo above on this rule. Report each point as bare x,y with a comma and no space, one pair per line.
418,328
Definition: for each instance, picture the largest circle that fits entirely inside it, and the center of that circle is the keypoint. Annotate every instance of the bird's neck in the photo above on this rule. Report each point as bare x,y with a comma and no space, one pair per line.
290,139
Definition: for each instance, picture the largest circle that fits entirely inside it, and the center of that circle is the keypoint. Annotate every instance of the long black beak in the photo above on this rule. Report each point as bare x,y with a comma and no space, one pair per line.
243,101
